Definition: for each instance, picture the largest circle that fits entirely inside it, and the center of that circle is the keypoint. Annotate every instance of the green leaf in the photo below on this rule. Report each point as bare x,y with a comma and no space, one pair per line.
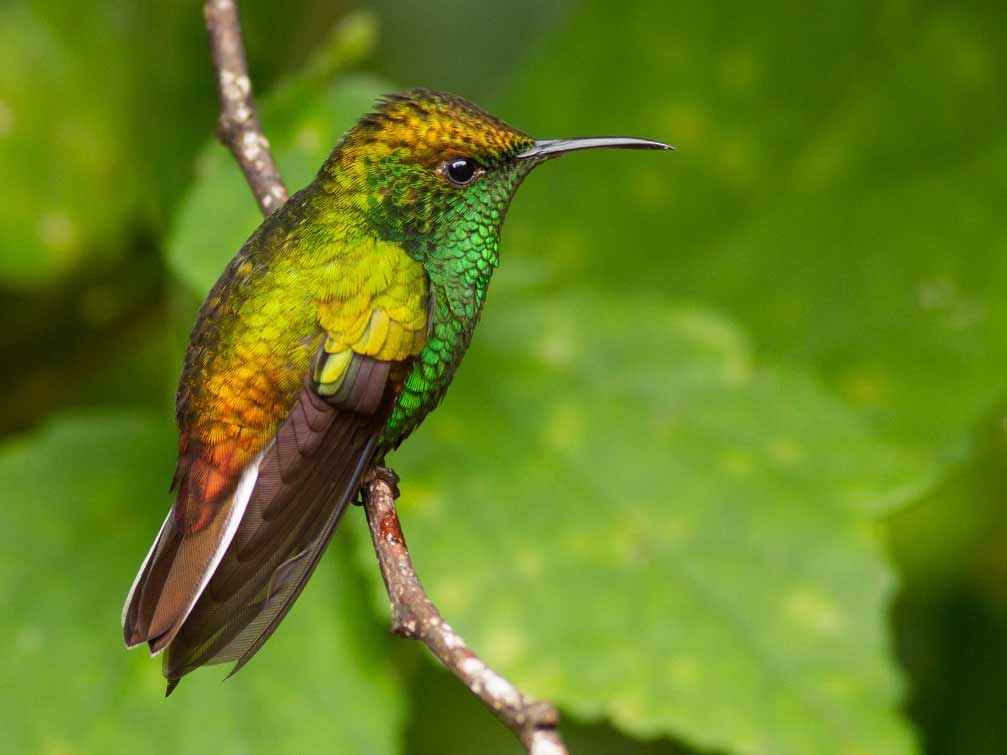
617,504
219,212
90,137
837,189
83,498
629,517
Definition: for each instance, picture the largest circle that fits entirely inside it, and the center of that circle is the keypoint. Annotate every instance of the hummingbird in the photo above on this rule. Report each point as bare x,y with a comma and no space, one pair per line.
335,329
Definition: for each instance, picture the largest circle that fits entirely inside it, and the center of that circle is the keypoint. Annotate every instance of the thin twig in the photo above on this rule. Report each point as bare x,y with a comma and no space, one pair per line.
413,614
238,126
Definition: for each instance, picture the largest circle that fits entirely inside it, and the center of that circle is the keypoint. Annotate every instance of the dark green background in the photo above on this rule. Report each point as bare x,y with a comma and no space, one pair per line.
725,470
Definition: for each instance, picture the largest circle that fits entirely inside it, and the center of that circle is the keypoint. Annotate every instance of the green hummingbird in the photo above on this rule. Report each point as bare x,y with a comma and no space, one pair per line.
331,334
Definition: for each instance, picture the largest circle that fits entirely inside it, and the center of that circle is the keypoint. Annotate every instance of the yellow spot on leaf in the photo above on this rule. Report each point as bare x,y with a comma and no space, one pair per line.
719,336
737,462
57,231
563,426
504,645
424,497
556,349
687,121
864,387
673,530
785,451
683,671
630,708
447,427
839,688
737,369
579,544
812,610
528,562
309,139
452,594
28,640
58,746
630,541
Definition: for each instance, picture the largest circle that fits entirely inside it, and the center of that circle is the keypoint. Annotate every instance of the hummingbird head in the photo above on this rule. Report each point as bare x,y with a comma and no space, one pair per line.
436,173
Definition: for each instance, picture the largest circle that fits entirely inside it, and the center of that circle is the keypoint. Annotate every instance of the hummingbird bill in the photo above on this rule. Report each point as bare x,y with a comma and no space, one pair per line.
335,329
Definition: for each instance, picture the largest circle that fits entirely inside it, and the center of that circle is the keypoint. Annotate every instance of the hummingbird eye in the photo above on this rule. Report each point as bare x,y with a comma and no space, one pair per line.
461,171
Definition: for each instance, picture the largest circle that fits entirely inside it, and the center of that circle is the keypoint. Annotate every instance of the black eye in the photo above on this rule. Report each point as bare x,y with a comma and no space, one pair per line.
461,171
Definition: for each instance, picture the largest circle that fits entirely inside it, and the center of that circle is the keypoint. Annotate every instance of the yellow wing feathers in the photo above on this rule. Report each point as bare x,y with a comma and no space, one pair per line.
377,310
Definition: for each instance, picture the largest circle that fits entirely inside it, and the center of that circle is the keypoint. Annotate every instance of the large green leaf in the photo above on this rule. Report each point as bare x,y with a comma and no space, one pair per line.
680,538
82,498
90,132
837,190
629,517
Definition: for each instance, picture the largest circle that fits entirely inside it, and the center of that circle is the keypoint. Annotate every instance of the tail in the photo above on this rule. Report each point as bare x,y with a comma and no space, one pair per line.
217,595
179,566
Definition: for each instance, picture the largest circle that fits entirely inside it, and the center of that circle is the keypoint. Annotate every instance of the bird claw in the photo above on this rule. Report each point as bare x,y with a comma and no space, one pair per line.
378,473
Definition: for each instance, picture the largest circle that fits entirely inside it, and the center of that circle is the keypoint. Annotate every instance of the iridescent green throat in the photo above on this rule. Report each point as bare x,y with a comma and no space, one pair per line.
453,233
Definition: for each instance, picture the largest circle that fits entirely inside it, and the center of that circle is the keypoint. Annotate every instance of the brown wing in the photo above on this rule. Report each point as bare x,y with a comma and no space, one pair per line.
216,592
305,481
251,519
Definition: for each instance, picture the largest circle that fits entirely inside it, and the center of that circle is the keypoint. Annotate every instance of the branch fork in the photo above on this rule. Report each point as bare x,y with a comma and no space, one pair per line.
414,615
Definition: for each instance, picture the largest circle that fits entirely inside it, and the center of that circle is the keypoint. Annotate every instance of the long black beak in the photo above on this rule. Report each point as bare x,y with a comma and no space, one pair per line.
546,148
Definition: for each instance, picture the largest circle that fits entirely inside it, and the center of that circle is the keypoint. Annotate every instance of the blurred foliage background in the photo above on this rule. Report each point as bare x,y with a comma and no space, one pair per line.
726,468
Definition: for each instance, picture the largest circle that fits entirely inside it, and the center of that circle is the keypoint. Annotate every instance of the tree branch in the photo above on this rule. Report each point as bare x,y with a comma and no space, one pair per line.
238,126
413,614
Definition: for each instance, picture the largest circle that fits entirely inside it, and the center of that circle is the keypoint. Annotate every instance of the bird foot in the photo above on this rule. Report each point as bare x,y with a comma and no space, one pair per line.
378,473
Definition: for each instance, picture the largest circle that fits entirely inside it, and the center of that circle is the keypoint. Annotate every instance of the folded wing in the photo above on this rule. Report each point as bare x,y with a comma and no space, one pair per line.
305,480
256,506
